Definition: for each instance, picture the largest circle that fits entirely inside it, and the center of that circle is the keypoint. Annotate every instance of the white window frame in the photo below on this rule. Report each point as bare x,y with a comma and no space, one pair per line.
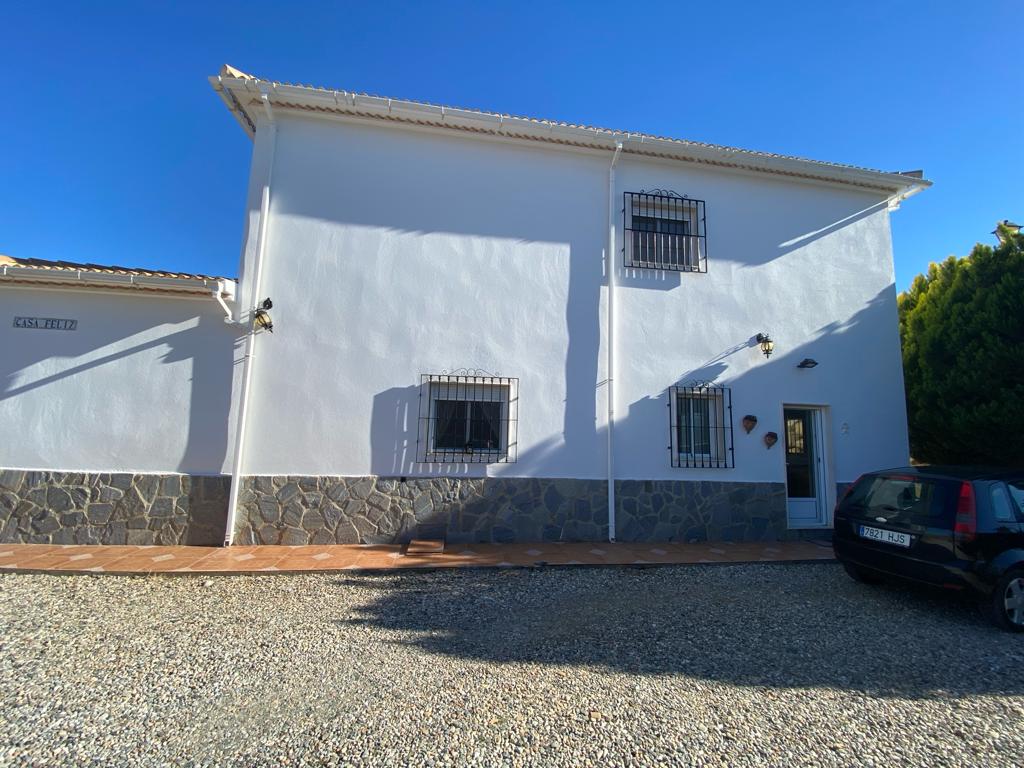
717,429
468,393
664,212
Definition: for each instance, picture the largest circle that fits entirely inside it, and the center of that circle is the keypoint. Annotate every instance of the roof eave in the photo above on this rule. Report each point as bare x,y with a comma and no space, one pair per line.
84,279
243,94
239,113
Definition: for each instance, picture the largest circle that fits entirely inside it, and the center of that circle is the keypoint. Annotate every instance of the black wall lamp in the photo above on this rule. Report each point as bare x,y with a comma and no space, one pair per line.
767,345
261,317
807,362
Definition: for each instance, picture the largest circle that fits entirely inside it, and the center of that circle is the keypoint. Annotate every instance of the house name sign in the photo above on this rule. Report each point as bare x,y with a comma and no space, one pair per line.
46,323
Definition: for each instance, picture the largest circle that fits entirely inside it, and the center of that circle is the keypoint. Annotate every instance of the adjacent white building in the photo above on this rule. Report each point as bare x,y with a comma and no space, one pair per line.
478,322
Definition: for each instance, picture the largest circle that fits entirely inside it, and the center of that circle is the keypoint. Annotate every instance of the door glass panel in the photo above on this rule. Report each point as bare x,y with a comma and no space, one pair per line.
800,480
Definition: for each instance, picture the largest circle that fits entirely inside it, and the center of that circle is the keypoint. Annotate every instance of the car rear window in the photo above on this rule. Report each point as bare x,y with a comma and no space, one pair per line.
905,500
1016,488
1002,507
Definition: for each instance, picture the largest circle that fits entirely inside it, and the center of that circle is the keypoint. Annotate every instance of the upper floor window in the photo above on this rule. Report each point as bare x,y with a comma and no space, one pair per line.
664,231
467,419
700,425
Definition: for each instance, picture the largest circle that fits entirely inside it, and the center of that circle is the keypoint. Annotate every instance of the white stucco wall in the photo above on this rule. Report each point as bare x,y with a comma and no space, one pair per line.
811,266
393,253
391,256
143,385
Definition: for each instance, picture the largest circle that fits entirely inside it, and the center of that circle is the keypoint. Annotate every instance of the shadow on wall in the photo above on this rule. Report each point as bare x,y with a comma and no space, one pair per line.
395,412
693,621
395,428
401,197
834,347
802,225
720,510
209,394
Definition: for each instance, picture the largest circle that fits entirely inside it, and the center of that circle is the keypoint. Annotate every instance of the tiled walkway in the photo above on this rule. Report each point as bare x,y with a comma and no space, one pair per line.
132,559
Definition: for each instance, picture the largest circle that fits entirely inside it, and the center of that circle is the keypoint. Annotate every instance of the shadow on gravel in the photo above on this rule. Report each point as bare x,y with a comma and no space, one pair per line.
752,625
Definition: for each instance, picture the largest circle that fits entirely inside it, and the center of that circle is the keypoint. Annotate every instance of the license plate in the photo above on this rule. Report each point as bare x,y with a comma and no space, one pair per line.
887,537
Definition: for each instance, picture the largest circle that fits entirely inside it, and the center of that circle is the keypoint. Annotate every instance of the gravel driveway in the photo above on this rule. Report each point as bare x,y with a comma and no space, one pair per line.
692,665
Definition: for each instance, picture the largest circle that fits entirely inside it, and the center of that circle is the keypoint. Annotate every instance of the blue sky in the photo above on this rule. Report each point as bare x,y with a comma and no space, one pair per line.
116,150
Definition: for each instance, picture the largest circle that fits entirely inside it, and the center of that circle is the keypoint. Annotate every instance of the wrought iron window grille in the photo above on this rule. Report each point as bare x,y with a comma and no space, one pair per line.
700,426
465,418
664,230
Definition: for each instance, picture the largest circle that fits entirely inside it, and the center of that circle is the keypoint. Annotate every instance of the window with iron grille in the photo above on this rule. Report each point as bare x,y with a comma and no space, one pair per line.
467,419
664,230
700,427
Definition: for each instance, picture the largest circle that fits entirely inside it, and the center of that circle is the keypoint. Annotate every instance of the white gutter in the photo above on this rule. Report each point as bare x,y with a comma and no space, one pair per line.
250,341
895,200
73,278
611,263
239,94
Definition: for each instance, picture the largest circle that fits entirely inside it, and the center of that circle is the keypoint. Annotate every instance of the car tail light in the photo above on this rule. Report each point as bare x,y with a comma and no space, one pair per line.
966,527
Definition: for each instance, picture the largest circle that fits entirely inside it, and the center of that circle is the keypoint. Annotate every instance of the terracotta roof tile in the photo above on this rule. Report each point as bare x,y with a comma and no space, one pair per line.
107,269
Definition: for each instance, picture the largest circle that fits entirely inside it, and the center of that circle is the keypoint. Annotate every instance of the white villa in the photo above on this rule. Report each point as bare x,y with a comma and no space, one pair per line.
484,328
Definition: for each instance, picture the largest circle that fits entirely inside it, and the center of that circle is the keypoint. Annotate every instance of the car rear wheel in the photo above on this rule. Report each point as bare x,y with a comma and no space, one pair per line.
1007,609
860,575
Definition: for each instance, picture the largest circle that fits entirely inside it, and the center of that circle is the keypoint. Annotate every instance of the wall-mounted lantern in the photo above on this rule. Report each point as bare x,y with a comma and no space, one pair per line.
770,439
807,362
261,317
767,345
749,422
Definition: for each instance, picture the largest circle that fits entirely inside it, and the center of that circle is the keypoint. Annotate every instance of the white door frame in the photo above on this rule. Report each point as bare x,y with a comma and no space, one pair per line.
825,497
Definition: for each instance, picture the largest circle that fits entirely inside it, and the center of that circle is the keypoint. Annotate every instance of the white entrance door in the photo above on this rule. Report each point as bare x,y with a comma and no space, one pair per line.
806,489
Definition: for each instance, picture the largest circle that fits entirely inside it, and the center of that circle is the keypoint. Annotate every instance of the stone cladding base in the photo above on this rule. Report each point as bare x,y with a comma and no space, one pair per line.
122,508
388,510
700,510
112,508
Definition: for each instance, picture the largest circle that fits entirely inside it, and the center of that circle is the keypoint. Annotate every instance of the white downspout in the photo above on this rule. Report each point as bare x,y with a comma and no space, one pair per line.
250,341
218,295
610,264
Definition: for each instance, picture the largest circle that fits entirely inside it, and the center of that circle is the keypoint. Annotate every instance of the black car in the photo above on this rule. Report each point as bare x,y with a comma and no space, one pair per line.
950,527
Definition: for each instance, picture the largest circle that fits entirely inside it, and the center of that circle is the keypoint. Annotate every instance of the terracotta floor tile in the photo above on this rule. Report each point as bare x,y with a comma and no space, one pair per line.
425,546
252,559
37,549
47,562
616,556
309,564
133,564
248,566
375,562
